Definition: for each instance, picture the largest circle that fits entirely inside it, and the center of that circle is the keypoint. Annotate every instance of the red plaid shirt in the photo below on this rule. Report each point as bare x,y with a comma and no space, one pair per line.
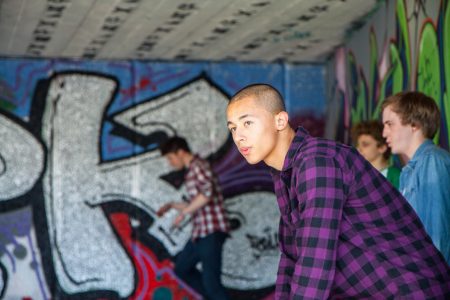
211,217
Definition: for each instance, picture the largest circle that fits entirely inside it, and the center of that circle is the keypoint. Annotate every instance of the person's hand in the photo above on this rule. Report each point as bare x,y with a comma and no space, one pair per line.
163,209
178,220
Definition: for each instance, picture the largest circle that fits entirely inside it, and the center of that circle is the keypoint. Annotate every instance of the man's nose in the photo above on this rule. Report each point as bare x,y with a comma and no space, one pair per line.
239,136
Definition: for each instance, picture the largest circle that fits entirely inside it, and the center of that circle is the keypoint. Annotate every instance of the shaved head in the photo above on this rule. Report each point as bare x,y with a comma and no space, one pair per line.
263,94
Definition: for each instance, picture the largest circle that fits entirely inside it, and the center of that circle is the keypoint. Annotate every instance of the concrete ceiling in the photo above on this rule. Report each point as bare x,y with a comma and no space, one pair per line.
214,30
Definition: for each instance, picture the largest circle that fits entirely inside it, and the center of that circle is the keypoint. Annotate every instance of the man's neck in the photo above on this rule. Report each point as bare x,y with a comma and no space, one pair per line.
187,158
278,155
380,163
414,145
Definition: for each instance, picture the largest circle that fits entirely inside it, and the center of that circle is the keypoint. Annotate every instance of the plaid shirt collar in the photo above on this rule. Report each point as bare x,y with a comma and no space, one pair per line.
194,158
297,143
299,140
412,162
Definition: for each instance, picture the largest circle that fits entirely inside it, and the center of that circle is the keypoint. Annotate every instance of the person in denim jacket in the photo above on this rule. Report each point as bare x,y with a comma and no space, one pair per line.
411,120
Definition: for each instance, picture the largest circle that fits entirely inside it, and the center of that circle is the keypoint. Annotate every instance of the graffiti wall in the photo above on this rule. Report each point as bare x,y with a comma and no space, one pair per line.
81,176
405,45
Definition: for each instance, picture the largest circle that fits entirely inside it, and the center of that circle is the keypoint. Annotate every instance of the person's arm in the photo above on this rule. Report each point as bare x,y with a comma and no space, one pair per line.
204,183
179,205
184,208
166,207
434,202
285,266
321,197
198,202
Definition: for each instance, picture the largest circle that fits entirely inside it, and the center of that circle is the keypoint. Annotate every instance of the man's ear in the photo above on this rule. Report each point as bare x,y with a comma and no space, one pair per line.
281,120
415,127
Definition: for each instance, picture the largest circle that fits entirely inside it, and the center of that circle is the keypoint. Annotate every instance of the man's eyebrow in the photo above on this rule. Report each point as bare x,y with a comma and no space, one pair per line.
244,116
240,118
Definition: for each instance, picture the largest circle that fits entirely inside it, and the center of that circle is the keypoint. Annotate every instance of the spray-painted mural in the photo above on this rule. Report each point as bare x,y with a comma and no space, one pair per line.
81,176
408,49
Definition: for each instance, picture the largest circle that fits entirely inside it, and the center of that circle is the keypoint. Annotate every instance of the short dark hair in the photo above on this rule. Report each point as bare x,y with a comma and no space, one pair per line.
174,144
265,94
374,128
417,109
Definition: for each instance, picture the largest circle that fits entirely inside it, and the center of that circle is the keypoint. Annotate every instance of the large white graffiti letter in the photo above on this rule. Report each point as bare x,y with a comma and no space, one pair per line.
21,159
86,253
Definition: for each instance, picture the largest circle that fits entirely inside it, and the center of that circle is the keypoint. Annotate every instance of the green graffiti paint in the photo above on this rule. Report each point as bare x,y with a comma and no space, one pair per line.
395,76
428,65
6,105
373,71
432,68
359,112
403,39
383,94
446,58
397,69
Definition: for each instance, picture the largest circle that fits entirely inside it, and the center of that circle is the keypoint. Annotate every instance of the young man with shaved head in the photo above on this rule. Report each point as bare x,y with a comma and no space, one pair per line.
345,232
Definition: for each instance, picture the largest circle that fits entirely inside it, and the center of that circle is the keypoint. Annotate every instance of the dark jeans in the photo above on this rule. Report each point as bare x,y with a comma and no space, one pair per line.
208,251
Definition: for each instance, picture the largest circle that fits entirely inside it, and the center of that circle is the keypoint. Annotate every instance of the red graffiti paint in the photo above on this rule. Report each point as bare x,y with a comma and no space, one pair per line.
154,277
144,83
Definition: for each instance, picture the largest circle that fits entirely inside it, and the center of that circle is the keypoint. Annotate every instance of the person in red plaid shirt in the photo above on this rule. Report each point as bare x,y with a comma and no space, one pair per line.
209,222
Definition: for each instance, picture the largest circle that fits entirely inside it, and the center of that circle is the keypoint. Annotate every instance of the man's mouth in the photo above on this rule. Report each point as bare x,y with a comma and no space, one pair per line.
245,150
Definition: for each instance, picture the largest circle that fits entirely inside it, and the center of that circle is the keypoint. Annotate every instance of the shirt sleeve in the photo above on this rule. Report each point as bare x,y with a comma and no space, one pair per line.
285,267
434,202
204,180
321,199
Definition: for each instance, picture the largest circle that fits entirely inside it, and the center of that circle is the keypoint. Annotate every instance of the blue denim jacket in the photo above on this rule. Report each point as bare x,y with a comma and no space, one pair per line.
425,183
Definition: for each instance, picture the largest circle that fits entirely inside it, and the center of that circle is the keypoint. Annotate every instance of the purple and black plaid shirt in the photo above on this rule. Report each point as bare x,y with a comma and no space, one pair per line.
346,233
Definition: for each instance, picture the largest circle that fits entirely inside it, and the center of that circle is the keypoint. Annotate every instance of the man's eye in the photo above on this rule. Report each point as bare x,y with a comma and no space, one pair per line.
232,129
246,123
